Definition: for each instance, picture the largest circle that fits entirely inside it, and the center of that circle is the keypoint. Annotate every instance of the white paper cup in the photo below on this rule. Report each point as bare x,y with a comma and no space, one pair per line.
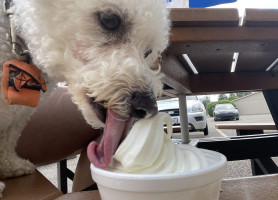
203,184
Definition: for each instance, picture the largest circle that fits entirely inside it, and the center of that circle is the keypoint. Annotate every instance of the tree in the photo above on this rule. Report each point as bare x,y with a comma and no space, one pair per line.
206,102
233,97
222,97
242,94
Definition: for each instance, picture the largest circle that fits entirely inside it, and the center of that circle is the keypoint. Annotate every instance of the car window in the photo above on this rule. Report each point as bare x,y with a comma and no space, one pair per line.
224,107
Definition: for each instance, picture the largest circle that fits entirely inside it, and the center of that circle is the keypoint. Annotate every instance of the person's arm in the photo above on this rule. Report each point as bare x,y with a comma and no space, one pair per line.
55,130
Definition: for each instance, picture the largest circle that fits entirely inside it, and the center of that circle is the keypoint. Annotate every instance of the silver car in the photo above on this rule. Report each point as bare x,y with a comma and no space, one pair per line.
196,112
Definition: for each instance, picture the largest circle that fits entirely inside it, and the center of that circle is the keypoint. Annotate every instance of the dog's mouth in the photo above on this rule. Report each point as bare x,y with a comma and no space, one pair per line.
143,105
98,109
115,130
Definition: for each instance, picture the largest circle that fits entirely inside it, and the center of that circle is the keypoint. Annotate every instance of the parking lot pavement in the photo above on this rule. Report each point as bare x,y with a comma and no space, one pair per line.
235,169
224,133
242,119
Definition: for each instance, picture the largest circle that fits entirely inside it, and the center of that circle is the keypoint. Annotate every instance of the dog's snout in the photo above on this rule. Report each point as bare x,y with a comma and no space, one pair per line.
143,105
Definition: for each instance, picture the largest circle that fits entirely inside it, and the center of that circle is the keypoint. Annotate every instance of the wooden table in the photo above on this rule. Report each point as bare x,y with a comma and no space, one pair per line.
264,165
30,187
210,38
253,188
247,128
214,41
88,195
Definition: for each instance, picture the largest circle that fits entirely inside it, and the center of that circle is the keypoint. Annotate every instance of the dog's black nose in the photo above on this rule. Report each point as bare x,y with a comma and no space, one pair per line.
143,105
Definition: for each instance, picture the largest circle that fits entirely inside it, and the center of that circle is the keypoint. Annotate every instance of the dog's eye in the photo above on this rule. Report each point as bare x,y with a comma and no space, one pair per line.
147,53
109,21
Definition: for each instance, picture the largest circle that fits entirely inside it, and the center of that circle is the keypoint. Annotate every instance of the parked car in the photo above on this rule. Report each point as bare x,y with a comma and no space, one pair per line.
196,112
225,111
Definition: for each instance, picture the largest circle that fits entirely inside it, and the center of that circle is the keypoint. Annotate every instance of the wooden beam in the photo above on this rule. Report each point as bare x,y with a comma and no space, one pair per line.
204,17
229,34
255,61
168,95
175,74
230,82
247,126
261,17
212,62
184,40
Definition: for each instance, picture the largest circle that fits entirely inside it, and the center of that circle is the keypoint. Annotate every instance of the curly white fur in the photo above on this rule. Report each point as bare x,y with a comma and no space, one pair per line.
79,34
67,42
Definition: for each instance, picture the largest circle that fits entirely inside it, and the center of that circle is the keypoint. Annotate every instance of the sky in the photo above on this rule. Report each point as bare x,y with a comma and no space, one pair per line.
252,4
242,4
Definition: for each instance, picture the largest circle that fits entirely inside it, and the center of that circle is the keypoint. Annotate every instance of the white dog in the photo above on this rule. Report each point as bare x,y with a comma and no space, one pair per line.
102,49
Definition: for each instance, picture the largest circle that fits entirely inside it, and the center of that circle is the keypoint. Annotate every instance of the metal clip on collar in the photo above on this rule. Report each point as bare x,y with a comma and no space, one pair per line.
18,48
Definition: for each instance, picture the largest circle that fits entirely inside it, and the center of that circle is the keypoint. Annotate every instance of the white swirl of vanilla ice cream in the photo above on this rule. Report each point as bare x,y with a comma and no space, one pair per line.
148,149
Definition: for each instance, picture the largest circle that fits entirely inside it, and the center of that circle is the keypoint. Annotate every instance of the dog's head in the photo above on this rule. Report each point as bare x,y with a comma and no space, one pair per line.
104,50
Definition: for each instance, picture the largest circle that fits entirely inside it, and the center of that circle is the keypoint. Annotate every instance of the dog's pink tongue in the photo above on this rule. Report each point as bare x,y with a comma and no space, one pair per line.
115,129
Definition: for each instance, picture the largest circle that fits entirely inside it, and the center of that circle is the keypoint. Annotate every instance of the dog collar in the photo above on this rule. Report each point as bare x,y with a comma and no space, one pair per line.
19,50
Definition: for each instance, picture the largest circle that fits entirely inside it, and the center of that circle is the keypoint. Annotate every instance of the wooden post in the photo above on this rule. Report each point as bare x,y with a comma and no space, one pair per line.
183,119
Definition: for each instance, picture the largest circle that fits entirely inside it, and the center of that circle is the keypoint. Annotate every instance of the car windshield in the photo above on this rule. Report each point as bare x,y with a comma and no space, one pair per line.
224,107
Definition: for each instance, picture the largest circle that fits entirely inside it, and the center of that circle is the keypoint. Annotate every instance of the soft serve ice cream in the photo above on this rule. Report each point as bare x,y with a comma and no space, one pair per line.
148,149
147,165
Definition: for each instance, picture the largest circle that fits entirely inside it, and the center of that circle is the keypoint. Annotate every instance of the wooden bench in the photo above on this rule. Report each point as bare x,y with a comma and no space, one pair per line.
247,128
30,187
259,165
259,148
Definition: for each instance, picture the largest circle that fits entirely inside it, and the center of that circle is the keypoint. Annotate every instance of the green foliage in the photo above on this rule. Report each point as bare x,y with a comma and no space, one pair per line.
222,97
210,108
211,105
231,98
233,95
206,102
242,94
